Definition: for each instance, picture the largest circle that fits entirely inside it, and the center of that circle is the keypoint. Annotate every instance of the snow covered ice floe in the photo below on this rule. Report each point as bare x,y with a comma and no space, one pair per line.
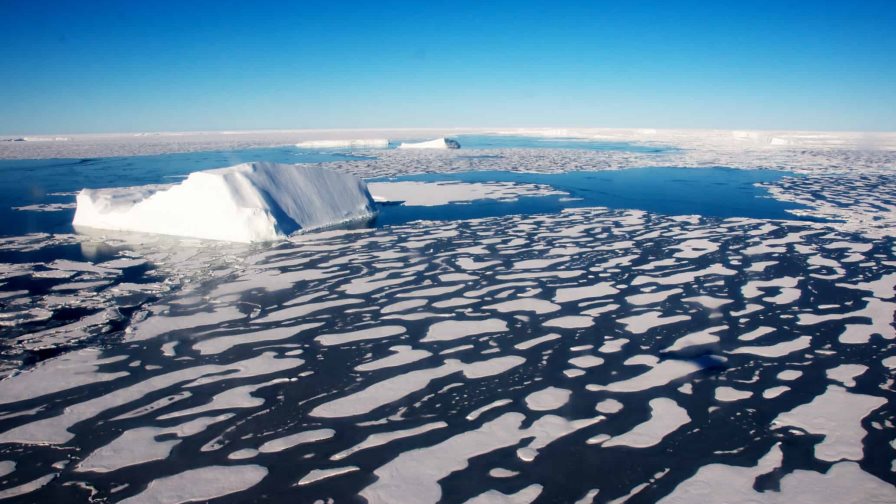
438,143
249,202
390,363
357,143
414,193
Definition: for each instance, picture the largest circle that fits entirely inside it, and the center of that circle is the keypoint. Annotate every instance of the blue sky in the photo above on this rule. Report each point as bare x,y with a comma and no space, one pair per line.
95,66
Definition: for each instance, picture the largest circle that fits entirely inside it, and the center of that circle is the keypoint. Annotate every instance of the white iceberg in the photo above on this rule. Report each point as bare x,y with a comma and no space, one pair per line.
249,202
358,143
438,143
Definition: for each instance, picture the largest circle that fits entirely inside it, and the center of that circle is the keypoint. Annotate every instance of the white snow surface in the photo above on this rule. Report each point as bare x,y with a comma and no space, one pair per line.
412,193
249,202
357,143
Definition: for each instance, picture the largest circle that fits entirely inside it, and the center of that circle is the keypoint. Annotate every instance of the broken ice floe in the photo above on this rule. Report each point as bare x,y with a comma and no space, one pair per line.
469,373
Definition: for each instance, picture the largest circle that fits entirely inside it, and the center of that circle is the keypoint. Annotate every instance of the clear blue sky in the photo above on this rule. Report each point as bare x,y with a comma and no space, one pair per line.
96,66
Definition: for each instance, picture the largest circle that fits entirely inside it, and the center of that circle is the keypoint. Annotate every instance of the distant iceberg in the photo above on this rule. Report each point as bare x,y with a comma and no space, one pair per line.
438,143
37,139
249,202
358,143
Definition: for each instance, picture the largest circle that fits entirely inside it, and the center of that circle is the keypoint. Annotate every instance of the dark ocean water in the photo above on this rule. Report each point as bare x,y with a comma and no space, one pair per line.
711,192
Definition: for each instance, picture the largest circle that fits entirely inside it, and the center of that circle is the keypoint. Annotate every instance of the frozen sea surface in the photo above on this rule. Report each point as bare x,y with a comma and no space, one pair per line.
588,354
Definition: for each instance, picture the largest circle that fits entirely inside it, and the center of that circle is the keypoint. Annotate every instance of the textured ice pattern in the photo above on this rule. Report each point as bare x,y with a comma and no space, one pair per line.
585,356
593,355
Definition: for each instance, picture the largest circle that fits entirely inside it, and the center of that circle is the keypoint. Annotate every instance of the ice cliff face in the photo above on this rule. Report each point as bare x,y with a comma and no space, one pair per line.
250,202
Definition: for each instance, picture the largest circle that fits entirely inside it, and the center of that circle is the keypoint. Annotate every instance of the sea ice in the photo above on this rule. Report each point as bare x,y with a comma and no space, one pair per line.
358,143
666,416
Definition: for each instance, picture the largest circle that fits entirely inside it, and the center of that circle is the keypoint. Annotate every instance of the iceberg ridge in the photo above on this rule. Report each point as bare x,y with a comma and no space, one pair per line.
438,143
249,202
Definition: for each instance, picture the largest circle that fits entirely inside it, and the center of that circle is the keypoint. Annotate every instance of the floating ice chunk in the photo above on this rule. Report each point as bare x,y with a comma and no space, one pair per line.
7,467
320,474
138,446
287,442
586,361
612,345
360,335
201,484
789,374
26,488
305,309
249,202
539,306
570,322
68,371
660,374
889,362
245,453
431,291
413,476
547,399
666,416
54,430
837,414
382,438
224,343
404,354
774,391
404,305
880,312
236,397
588,498
67,265
846,373
844,483
694,248
524,496
704,337
500,472
455,329
643,322
397,387
132,447
414,193
357,143
756,333
525,345
590,291
778,350
731,394
708,302
609,406
883,288
438,143
683,278
473,415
